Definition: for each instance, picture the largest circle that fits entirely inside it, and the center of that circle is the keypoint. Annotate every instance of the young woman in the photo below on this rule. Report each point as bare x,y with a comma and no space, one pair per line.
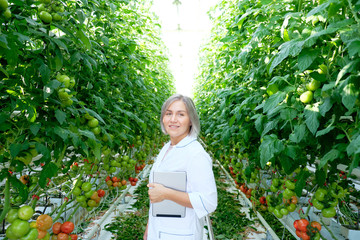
183,153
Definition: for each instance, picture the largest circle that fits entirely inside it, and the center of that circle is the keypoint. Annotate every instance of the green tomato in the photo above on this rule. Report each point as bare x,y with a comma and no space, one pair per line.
271,209
289,184
320,194
93,123
273,188
275,182
96,130
287,194
284,211
9,233
334,202
45,17
91,203
317,204
31,235
272,89
76,191
81,198
291,207
12,215
64,79
328,212
20,227
306,97
7,13
64,95
88,194
277,213
86,186
4,5
313,85
25,212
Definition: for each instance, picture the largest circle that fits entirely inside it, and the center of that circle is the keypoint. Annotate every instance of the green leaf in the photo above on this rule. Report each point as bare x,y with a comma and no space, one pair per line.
45,72
320,8
354,163
21,188
3,41
329,156
35,128
298,134
61,132
50,87
83,38
306,58
312,118
60,116
354,147
349,96
49,170
286,164
324,131
269,147
292,48
354,48
15,149
273,101
269,126
320,176
325,106
87,133
302,177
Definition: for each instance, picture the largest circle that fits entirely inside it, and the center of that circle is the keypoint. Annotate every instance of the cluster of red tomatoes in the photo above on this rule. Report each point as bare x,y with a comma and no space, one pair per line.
306,230
62,231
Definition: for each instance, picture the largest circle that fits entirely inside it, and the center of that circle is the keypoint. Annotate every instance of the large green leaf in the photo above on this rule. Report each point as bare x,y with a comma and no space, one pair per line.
312,118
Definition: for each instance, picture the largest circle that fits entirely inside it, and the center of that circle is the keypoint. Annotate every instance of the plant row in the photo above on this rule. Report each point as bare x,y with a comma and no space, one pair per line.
82,83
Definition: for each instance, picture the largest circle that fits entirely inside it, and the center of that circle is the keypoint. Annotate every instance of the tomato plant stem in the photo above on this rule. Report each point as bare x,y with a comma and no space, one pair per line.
327,228
7,200
75,210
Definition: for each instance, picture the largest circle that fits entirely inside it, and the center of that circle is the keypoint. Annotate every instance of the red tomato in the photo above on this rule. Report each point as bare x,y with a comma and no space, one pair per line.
107,178
133,183
101,193
56,228
67,227
114,179
131,179
315,225
63,236
304,236
136,179
44,222
301,224
74,237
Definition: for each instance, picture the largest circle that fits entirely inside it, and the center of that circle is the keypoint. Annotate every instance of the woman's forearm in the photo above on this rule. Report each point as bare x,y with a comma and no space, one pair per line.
179,197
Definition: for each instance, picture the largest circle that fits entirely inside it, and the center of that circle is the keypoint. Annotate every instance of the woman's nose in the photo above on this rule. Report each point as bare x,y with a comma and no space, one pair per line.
173,118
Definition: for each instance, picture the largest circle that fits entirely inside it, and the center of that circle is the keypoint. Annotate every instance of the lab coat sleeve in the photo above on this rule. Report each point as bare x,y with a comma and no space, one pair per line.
203,195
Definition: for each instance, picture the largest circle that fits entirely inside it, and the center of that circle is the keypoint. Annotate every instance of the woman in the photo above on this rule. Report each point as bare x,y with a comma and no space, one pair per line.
183,153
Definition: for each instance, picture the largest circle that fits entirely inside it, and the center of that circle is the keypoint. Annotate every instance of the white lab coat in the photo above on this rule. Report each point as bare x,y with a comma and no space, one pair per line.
188,155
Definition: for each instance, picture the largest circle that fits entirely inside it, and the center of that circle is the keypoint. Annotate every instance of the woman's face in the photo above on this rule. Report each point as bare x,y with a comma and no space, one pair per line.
176,121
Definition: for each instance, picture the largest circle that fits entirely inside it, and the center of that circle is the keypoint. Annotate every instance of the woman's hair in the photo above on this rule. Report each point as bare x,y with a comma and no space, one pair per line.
190,107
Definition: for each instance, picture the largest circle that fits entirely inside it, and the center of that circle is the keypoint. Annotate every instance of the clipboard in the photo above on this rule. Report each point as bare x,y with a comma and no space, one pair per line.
168,208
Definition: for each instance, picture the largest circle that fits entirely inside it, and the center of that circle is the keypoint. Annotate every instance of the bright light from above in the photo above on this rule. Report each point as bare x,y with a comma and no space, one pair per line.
185,26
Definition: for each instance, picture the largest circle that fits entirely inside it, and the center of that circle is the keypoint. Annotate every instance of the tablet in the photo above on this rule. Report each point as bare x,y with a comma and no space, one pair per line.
168,208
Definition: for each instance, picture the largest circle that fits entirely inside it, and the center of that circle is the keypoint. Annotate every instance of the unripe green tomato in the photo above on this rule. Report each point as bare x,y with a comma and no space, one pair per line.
12,215
45,17
284,211
7,13
96,130
76,191
313,85
4,5
20,227
277,213
306,97
93,123
272,89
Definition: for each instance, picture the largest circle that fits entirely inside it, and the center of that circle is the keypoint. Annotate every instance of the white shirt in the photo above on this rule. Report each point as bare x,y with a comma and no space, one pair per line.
189,156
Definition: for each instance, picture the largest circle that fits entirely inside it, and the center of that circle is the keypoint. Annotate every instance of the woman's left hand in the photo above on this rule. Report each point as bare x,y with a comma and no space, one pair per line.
157,192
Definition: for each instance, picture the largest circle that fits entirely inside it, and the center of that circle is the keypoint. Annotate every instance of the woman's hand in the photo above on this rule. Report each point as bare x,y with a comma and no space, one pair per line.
157,192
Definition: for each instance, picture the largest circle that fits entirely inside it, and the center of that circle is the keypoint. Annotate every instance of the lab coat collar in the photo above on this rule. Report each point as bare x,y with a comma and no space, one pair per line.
185,141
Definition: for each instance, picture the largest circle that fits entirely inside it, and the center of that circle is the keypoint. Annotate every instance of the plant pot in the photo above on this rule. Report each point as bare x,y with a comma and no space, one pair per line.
349,233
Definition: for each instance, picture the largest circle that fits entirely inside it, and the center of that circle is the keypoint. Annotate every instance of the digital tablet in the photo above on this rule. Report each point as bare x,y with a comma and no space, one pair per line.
168,208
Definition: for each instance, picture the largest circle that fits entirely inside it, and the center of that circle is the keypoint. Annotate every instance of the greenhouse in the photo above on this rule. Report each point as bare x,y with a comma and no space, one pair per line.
179,119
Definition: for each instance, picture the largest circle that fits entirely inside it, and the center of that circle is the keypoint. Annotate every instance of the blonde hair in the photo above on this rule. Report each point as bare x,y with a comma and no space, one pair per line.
190,107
